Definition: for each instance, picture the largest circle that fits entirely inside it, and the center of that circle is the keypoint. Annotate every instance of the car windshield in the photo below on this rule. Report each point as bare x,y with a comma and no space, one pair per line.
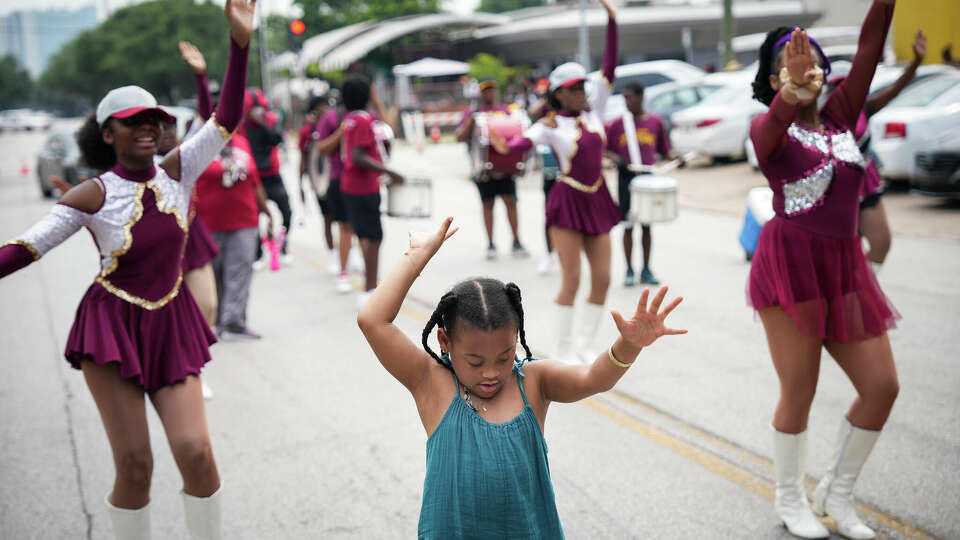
925,93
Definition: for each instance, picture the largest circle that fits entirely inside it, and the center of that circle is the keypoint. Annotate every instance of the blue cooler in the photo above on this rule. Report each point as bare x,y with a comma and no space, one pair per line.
759,211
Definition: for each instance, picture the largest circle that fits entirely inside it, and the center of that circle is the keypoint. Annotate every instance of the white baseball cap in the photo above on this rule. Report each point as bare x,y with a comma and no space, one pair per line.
567,74
127,101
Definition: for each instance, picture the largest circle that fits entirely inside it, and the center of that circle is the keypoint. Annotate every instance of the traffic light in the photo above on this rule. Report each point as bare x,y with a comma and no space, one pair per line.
297,28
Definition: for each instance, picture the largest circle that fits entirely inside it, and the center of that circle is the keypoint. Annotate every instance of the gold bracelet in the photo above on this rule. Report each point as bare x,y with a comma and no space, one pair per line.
615,361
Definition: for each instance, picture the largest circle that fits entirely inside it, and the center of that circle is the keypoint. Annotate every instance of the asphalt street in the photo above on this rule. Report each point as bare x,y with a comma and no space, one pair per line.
315,440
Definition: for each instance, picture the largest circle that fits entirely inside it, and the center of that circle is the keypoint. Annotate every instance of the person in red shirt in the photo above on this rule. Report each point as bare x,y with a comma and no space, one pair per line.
652,140
360,182
492,186
229,197
309,133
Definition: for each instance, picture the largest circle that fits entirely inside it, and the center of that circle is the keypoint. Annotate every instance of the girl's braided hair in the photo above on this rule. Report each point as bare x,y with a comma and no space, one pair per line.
481,303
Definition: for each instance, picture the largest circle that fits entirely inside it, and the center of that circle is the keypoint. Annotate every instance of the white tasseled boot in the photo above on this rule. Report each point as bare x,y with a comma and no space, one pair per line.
563,334
791,498
589,324
129,524
203,516
834,494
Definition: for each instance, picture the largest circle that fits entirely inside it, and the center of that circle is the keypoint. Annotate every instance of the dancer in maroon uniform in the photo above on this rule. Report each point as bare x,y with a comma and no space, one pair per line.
137,330
809,280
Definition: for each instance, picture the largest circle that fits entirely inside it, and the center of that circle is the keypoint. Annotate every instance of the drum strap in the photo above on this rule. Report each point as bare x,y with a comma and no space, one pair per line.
579,186
630,132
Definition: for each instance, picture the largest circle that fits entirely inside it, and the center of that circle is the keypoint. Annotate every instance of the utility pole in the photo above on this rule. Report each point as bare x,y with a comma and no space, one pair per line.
262,47
583,52
728,31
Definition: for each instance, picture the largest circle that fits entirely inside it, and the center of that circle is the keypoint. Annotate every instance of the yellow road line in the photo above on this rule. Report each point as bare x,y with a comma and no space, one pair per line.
720,466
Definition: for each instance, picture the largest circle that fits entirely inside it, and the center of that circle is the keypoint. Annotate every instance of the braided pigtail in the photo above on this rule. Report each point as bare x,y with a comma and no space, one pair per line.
439,318
513,293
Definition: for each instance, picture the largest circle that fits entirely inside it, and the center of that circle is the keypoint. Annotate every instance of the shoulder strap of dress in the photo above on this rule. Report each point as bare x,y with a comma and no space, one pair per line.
518,369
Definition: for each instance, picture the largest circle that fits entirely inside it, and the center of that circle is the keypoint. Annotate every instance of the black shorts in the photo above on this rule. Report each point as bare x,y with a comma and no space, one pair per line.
334,202
490,188
624,176
363,212
871,200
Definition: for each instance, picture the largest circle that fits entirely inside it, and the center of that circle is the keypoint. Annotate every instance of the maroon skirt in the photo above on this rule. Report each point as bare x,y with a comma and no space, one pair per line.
824,283
153,348
587,213
201,247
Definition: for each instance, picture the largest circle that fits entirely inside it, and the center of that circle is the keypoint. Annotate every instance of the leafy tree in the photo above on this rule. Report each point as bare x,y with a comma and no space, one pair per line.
323,15
16,86
138,45
499,6
487,66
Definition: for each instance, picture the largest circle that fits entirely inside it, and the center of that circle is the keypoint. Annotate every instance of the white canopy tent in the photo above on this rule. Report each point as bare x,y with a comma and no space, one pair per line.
425,67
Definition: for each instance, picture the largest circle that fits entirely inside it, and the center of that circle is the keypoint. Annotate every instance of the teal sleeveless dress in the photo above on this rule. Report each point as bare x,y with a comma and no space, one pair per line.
486,480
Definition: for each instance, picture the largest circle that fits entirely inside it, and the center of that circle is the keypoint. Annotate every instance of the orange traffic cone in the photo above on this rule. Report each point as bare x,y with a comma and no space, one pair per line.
24,167
435,133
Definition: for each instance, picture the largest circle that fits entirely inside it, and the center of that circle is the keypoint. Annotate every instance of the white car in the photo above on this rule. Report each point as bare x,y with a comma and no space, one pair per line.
15,119
649,74
915,121
719,125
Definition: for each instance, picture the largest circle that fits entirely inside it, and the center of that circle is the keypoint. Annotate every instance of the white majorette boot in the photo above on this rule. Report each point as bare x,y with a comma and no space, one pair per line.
563,334
791,498
834,494
589,323
129,524
203,515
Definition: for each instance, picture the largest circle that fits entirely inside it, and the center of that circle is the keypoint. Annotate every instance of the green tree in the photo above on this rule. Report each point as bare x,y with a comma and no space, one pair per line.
499,6
138,45
323,15
487,66
16,86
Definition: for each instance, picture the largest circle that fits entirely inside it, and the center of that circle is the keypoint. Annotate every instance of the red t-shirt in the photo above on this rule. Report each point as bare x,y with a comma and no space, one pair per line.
357,180
305,135
226,191
651,138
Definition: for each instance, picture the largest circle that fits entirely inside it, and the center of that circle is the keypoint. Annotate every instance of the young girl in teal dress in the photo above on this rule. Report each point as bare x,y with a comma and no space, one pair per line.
483,408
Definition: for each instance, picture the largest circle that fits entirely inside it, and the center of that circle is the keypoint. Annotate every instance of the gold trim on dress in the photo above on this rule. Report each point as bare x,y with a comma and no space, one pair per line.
223,131
127,232
26,245
149,305
576,145
162,206
579,186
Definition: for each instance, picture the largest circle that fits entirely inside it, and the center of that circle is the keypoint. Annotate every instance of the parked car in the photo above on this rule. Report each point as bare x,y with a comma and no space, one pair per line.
17,119
664,100
917,121
718,125
937,171
650,74
60,156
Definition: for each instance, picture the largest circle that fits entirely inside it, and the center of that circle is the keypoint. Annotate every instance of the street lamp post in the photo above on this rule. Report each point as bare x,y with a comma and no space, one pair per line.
584,49
728,30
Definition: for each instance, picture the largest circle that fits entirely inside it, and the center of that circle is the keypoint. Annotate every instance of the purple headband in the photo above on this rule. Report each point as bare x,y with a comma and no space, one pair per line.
826,61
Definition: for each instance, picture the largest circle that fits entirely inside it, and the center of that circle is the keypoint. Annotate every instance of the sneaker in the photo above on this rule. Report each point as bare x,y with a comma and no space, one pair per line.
547,263
519,252
363,297
259,265
286,259
629,280
355,261
344,285
491,253
239,333
333,262
646,276
206,390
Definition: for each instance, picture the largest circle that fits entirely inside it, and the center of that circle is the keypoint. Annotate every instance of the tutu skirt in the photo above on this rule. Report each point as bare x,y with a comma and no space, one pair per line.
201,247
825,283
153,348
588,213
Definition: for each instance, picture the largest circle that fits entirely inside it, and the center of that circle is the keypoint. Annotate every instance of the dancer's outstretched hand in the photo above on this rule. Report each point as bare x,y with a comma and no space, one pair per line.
646,325
240,15
193,57
427,244
611,9
799,58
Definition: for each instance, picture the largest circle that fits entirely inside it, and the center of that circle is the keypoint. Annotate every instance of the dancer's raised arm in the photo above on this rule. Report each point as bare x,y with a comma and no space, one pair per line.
611,55
405,360
194,58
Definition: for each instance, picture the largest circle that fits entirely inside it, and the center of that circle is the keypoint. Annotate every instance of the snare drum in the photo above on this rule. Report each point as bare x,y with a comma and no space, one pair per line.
653,199
486,160
411,199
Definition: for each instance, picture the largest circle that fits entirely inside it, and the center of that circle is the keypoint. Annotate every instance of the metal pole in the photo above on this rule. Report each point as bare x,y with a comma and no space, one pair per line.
262,46
728,31
583,52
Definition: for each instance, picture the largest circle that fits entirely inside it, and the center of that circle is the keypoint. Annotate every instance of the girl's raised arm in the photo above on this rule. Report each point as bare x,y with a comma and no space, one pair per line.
566,384
405,360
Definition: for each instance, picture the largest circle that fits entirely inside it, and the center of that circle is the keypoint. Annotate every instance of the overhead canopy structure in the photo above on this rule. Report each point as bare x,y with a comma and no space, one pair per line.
339,48
431,67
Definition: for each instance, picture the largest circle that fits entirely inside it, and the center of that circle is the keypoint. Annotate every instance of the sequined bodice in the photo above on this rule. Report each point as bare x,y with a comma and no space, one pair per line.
816,181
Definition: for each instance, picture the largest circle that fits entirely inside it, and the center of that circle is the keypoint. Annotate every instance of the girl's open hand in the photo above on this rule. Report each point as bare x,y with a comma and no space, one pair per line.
611,9
240,15
428,243
799,58
193,57
646,325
